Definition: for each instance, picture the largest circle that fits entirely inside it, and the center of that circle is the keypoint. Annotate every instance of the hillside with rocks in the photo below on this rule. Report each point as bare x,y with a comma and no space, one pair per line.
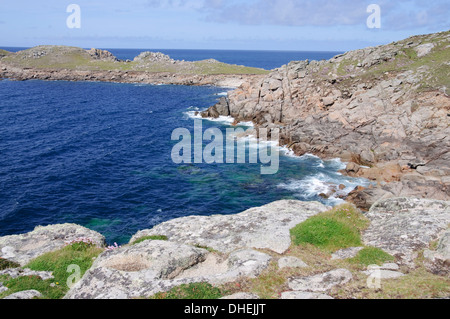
385,110
55,63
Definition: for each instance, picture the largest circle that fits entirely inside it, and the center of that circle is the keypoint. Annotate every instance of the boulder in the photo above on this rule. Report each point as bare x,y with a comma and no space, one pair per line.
346,253
438,261
291,262
403,226
321,282
28,294
23,248
157,266
266,227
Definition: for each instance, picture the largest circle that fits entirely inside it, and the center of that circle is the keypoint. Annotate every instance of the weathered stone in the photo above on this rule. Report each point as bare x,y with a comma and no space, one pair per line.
264,227
321,282
3,288
301,295
291,262
346,253
23,248
383,273
403,226
438,261
28,294
150,267
18,272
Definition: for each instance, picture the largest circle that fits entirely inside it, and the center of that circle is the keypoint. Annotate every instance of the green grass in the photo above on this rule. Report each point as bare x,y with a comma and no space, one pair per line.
79,254
195,291
72,58
371,256
336,229
140,240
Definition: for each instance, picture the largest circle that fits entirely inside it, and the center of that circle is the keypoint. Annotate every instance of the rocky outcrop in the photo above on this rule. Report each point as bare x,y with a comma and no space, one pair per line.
385,109
23,248
102,55
61,63
438,261
227,249
27,294
322,282
157,266
404,226
264,227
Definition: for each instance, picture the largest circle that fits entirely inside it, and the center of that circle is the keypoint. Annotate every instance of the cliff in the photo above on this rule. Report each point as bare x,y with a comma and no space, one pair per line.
385,110
76,64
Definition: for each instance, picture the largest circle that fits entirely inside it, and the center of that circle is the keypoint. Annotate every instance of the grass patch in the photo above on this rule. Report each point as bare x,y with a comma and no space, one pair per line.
141,240
195,291
80,254
336,229
418,284
371,256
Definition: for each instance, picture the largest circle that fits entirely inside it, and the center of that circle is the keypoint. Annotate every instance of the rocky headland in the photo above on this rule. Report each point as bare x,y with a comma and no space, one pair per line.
62,63
384,110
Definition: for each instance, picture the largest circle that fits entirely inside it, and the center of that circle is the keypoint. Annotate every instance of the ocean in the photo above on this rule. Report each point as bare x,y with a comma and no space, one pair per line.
99,155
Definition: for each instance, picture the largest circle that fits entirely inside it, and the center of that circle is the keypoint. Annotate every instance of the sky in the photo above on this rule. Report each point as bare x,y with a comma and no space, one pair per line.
298,25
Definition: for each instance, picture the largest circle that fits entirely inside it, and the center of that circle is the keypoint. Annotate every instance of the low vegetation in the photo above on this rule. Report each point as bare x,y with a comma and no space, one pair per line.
333,230
141,240
72,58
195,291
58,262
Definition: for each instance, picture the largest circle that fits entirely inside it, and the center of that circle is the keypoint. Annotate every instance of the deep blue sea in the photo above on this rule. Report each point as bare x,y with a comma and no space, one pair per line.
99,155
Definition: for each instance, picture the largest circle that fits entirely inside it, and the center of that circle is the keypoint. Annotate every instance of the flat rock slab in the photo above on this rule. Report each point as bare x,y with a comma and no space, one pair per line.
291,262
265,227
28,294
322,282
24,248
402,226
346,253
157,266
383,274
18,272
301,295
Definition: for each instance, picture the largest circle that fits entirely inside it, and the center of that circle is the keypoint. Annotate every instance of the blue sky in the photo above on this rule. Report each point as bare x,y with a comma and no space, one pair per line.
322,25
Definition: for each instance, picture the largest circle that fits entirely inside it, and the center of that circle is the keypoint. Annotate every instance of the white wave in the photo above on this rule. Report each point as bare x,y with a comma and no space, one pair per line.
222,94
311,187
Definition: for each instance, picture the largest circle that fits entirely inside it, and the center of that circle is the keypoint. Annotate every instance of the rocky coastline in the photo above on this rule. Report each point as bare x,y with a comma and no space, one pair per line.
384,110
59,63
232,251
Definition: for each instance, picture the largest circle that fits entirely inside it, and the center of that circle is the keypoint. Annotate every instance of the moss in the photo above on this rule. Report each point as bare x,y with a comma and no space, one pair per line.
58,262
371,256
140,240
195,291
336,229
